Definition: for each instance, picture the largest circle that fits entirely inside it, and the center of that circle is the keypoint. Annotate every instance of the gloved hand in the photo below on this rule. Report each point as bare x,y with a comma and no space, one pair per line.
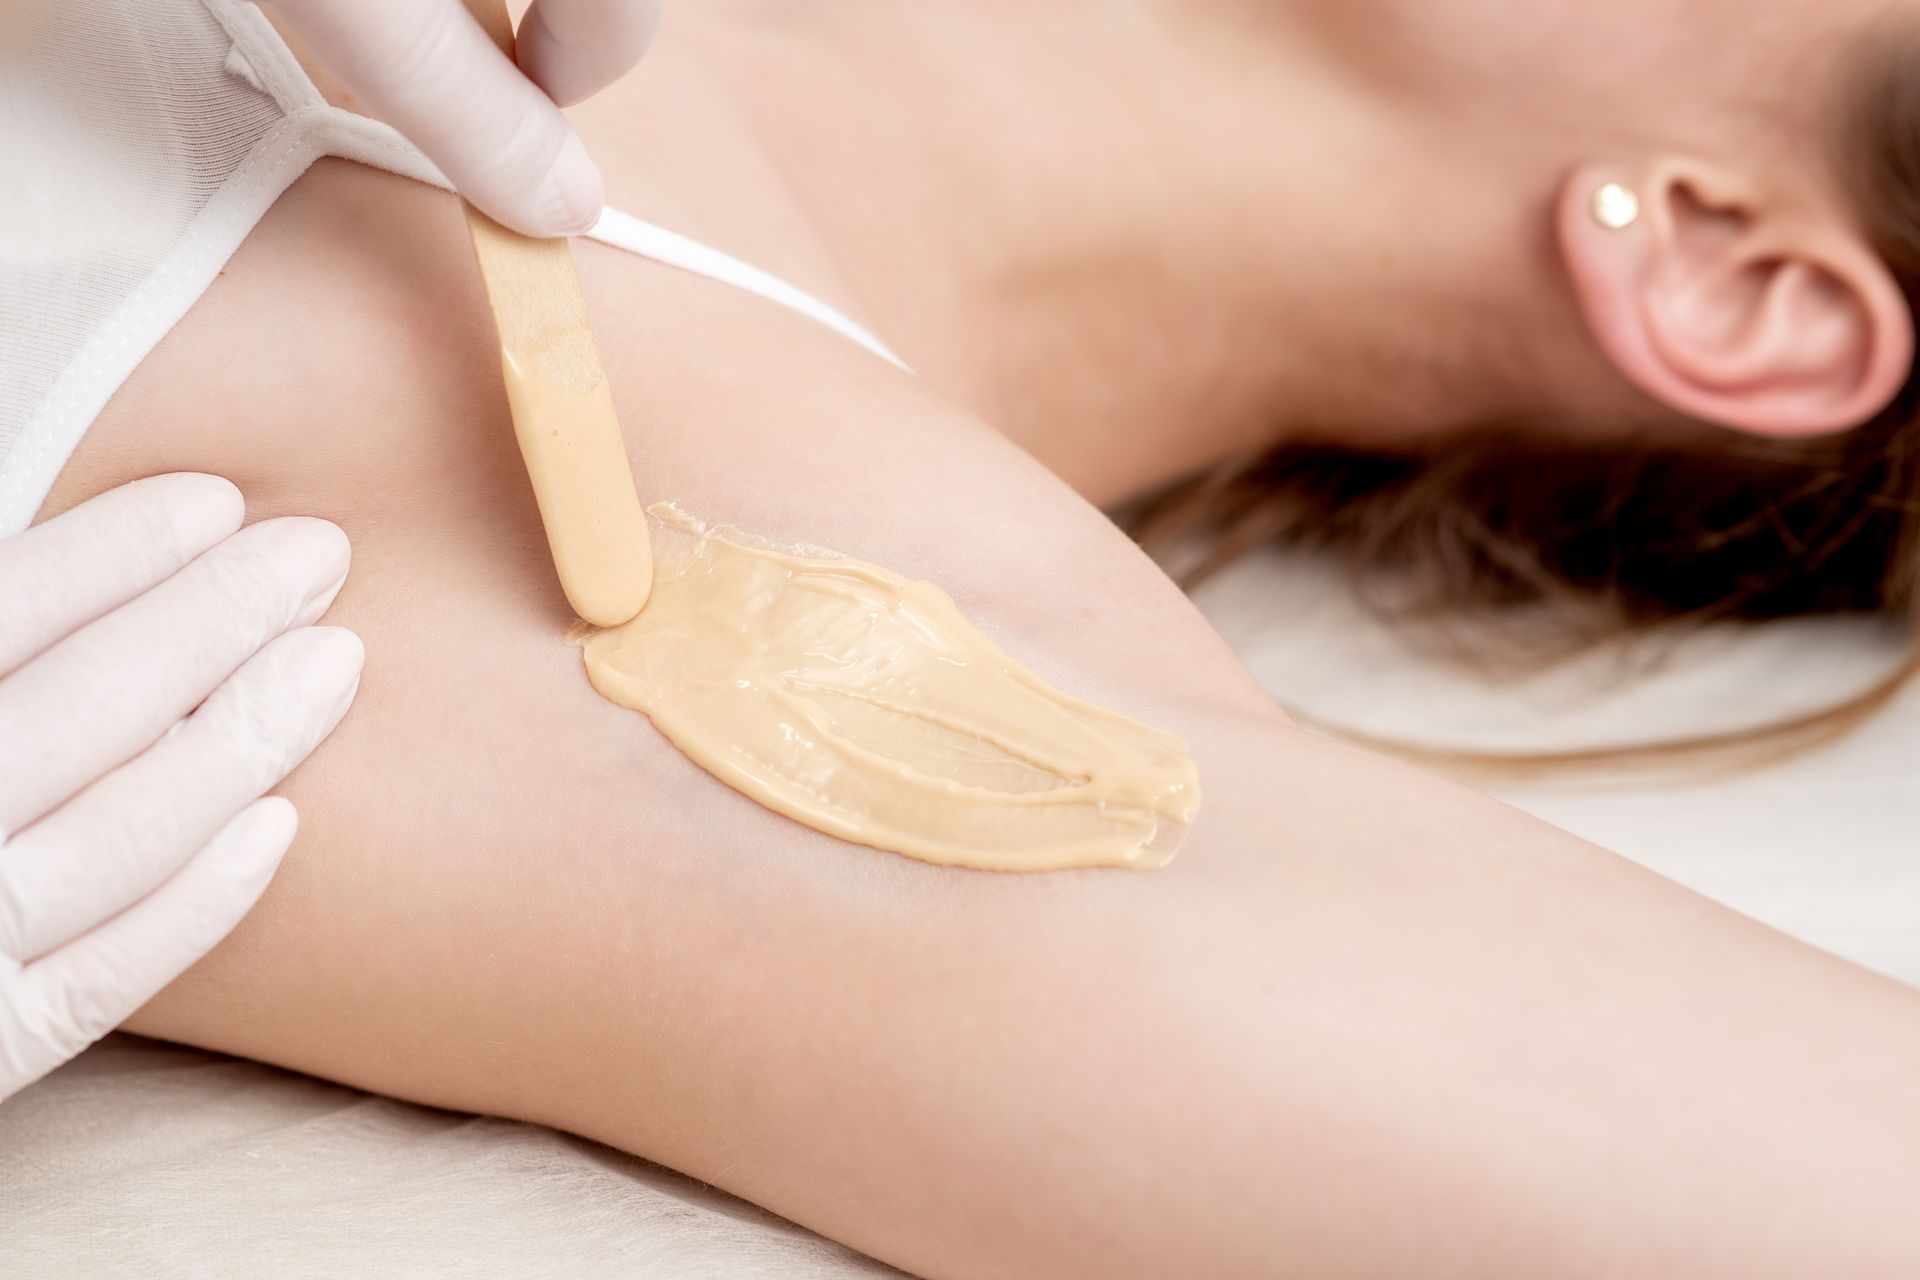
427,69
158,674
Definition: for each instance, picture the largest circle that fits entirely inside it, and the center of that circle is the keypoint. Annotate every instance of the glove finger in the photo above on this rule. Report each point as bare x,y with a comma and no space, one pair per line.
111,844
52,1009
58,576
105,693
575,48
433,74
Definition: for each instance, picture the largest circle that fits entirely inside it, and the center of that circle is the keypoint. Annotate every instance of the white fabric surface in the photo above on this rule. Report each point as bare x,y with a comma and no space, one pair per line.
1825,847
128,145
146,1160
151,1161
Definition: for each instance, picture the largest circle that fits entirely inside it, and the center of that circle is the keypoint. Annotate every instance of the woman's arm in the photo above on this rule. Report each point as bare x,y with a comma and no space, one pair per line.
1366,1024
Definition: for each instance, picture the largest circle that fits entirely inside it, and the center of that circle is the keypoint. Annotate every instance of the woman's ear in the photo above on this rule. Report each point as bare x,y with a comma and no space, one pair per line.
1772,320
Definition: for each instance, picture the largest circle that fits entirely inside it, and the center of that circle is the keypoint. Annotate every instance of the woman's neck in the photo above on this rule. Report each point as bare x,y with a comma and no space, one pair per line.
1137,246
1137,243
1139,237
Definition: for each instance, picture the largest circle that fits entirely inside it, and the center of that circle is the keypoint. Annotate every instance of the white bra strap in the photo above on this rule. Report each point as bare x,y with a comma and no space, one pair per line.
372,143
624,231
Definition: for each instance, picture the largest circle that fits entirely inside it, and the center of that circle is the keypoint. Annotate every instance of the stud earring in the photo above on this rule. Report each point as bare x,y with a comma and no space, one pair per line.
1615,206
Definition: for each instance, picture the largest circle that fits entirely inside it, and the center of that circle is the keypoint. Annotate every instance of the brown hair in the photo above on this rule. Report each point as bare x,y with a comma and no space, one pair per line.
1568,547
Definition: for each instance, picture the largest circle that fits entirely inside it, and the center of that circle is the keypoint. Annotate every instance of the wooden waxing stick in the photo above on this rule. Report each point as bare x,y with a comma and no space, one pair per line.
562,408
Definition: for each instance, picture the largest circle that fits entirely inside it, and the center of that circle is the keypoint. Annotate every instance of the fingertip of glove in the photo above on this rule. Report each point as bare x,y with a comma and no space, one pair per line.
202,509
259,836
273,816
313,554
341,648
228,876
326,664
340,657
308,678
569,199
324,542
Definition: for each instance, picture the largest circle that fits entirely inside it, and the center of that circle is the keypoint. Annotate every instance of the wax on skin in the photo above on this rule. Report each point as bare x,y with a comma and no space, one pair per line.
865,705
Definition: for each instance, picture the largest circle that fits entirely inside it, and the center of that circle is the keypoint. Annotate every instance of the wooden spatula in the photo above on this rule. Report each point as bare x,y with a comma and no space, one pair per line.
562,408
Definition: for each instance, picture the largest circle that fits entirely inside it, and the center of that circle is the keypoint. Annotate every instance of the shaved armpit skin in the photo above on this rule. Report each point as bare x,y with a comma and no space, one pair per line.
865,705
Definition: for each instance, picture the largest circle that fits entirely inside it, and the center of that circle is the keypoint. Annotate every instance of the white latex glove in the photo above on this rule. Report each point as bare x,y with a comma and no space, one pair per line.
158,674
427,68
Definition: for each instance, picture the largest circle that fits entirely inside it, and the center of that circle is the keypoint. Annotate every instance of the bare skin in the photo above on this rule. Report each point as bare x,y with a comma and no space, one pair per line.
1367,1024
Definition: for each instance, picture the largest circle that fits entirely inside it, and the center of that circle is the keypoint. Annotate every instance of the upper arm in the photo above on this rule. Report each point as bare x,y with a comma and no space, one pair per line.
1356,988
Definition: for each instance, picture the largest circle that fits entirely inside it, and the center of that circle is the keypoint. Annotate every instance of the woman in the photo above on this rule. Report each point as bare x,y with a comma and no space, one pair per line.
1367,1023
